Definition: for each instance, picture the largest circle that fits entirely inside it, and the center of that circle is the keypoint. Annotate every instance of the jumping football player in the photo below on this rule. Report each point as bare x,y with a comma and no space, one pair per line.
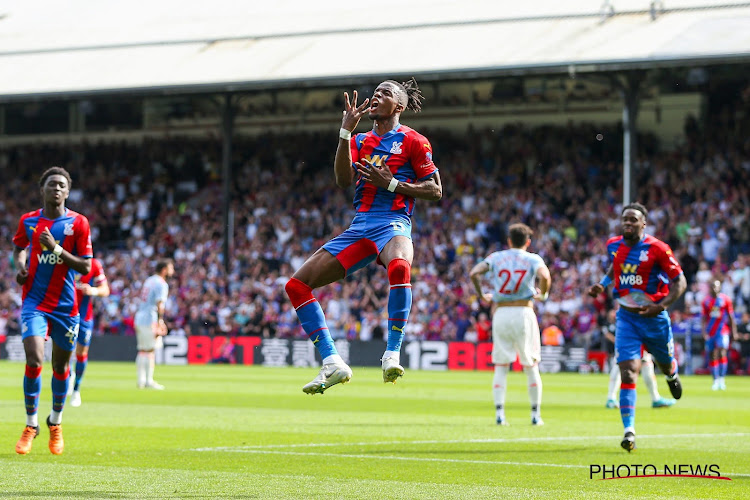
391,166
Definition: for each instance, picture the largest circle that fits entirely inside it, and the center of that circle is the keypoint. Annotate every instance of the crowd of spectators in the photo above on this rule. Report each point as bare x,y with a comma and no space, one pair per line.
164,198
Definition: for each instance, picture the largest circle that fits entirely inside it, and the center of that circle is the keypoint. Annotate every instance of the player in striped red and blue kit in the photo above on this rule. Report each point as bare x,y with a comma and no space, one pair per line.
717,321
57,243
94,284
391,166
647,280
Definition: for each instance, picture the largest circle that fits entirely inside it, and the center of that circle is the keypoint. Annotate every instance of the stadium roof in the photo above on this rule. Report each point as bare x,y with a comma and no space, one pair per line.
86,47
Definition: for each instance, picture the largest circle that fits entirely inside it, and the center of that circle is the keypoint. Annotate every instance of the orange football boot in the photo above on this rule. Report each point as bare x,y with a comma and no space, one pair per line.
56,443
23,446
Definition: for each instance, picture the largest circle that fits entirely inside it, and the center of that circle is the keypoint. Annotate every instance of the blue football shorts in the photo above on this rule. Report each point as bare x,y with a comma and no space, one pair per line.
366,237
720,341
62,328
84,333
633,331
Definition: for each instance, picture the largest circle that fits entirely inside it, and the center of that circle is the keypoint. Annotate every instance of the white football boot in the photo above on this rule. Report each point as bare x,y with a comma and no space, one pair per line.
329,375
391,369
75,399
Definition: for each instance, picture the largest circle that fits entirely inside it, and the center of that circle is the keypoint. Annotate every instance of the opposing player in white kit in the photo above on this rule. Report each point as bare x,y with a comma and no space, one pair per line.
513,274
149,322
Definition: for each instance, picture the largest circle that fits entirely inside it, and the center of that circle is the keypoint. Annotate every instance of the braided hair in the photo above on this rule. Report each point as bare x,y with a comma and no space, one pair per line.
410,97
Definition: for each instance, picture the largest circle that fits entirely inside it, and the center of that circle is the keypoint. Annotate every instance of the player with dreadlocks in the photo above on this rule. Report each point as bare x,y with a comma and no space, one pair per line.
391,165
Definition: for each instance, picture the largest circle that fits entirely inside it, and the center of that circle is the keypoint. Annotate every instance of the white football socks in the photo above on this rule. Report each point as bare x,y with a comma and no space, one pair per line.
535,389
649,378
614,382
499,386
141,369
333,358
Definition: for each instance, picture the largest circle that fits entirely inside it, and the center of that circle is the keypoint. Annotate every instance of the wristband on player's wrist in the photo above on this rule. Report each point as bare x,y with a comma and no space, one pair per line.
605,281
57,250
345,134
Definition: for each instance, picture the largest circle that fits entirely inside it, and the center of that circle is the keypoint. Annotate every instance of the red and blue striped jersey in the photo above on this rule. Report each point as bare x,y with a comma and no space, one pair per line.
408,155
646,267
94,278
50,286
716,312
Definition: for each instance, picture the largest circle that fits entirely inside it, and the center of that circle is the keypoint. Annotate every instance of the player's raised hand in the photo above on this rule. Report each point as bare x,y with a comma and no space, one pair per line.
47,240
352,112
595,290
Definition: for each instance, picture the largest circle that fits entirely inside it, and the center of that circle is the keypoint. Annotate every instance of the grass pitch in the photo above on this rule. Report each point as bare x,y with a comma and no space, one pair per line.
250,432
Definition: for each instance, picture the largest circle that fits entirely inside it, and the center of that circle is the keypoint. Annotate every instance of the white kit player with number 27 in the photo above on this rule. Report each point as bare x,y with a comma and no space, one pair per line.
513,275
149,322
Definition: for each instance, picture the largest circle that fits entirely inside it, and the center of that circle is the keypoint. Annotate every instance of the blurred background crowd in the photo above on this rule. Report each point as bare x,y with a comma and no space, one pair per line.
163,198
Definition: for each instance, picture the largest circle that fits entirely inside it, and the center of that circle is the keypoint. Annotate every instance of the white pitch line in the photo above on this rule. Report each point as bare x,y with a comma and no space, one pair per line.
421,459
418,459
272,449
461,441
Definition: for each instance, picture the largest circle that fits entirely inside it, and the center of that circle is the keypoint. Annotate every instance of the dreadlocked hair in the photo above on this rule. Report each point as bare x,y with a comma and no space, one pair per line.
413,94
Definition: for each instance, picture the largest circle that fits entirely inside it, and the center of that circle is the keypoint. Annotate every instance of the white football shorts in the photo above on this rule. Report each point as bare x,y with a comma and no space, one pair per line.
515,330
146,339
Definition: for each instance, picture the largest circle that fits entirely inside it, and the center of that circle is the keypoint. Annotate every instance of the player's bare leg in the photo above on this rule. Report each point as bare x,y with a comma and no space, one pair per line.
319,270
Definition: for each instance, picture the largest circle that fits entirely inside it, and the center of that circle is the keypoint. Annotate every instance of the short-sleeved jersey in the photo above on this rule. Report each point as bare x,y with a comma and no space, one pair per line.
94,278
154,290
643,270
50,286
513,274
716,312
407,154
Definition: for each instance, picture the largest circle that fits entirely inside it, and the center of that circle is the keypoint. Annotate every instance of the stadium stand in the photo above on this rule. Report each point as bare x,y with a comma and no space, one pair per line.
554,178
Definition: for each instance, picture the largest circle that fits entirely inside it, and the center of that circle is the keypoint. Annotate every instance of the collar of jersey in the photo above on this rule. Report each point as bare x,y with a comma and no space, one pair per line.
41,214
391,131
